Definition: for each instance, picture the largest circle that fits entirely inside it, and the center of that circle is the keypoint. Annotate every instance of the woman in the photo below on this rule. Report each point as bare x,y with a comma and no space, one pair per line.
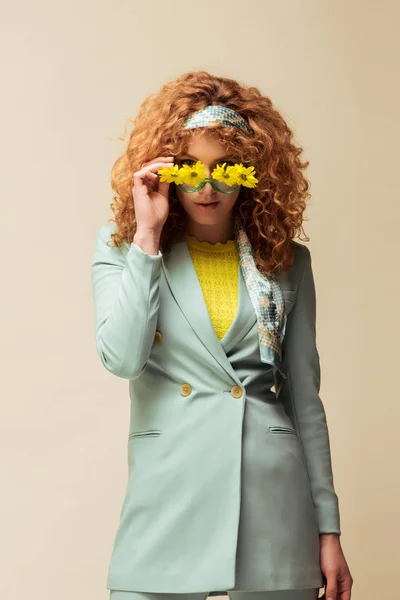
206,304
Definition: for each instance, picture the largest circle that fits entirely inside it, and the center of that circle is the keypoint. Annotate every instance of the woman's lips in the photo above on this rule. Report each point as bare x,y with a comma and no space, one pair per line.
207,207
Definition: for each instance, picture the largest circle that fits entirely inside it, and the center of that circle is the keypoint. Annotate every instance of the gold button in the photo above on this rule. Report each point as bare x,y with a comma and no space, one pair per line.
236,391
186,389
158,337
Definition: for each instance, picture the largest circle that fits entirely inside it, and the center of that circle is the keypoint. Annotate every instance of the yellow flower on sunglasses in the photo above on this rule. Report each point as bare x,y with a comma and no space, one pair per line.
171,174
193,174
245,175
227,175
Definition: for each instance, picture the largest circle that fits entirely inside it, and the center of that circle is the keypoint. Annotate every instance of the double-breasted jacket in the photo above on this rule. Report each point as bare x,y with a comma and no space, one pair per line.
229,468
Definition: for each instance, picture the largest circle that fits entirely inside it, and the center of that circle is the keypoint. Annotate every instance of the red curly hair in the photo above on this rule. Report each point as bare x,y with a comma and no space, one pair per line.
272,212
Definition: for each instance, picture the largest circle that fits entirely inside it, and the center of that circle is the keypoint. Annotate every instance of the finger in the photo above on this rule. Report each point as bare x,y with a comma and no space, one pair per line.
158,159
345,589
142,189
150,168
345,594
138,180
163,188
331,588
144,183
149,179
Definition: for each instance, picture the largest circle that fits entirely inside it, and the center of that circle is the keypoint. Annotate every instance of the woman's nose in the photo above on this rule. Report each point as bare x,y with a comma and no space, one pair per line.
207,171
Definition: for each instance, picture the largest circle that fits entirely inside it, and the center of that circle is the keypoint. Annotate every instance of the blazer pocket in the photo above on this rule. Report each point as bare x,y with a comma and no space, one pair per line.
145,434
278,429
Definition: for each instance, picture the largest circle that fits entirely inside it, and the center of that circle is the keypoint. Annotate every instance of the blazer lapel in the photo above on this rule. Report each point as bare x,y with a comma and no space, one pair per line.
186,289
244,320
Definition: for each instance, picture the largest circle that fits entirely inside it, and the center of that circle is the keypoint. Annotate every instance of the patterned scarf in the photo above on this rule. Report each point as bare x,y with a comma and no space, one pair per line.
267,299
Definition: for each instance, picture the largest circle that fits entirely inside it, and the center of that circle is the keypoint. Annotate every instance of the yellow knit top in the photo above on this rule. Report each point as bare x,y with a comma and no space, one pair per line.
216,266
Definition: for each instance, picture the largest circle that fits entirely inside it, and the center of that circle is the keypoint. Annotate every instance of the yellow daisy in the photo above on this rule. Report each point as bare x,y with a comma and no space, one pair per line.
227,175
193,174
170,174
245,175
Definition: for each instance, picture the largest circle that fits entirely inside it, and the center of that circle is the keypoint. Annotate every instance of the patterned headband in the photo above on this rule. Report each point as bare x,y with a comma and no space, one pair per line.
218,114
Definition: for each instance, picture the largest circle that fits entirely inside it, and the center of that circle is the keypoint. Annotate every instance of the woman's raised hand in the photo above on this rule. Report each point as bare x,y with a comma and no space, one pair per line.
150,196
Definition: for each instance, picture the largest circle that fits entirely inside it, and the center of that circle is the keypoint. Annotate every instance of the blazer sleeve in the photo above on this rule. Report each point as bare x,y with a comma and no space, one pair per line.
302,402
126,301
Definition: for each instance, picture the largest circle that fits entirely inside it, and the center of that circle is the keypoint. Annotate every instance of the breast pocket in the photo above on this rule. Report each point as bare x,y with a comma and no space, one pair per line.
148,433
280,429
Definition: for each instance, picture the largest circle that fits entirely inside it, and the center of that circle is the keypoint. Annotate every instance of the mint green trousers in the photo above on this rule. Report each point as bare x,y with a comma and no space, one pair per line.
306,594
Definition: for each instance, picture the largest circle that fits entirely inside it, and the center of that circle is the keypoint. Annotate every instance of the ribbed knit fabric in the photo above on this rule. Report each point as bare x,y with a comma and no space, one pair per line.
217,267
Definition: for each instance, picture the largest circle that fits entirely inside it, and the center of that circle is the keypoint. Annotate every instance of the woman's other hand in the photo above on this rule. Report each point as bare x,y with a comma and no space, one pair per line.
334,567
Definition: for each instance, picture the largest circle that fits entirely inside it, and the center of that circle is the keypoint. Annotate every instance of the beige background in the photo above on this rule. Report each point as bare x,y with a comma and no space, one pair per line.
73,74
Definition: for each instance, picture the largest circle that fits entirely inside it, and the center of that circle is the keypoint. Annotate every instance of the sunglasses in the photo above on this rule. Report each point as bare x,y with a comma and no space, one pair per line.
226,179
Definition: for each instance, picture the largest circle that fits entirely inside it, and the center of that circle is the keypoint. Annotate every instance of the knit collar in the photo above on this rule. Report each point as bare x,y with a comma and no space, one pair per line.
193,242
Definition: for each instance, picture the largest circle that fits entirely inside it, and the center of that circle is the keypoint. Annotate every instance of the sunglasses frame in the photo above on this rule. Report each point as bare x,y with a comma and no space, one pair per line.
203,183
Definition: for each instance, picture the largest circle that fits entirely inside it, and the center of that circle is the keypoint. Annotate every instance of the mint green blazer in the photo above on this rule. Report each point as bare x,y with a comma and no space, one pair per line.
229,469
